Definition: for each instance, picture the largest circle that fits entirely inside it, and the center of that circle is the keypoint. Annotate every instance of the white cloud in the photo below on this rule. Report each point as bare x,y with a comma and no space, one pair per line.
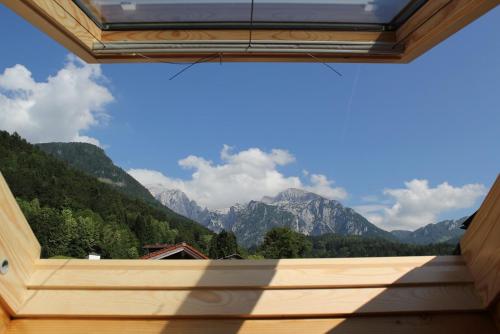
419,204
321,185
374,213
59,109
241,177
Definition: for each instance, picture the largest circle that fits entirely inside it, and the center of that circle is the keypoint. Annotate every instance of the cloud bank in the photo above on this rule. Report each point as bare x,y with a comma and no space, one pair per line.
58,109
418,204
240,177
251,174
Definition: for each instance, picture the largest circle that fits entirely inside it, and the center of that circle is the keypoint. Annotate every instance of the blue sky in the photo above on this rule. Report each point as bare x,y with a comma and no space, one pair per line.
374,128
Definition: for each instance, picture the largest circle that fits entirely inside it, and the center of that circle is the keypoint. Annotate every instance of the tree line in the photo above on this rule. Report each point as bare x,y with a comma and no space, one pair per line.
53,195
284,243
73,214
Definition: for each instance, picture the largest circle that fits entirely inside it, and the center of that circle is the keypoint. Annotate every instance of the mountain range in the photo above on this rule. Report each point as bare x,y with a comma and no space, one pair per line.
444,231
302,211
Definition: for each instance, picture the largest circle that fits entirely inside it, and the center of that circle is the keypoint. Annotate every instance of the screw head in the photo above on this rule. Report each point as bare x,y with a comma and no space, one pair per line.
4,267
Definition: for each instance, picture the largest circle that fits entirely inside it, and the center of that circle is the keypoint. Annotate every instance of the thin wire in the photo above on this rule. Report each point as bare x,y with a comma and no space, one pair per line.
326,64
135,53
201,60
250,37
157,60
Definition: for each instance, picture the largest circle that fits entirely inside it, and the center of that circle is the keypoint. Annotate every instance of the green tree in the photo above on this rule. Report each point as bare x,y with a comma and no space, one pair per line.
333,245
283,243
56,186
87,237
53,228
118,242
157,232
222,245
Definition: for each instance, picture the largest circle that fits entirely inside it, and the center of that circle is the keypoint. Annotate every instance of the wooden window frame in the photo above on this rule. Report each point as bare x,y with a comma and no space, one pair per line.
459,293
69,25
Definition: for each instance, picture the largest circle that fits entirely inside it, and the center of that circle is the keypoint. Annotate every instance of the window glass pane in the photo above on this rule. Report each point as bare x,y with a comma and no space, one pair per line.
169,11
328,11
265,11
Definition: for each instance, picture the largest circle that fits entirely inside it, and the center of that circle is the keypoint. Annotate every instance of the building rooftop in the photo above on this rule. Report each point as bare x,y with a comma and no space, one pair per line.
164,251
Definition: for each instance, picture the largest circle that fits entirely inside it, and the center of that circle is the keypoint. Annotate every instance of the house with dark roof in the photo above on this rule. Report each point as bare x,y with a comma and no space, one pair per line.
181,251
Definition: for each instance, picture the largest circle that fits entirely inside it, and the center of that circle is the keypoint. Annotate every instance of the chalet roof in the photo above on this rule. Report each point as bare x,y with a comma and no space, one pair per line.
172,249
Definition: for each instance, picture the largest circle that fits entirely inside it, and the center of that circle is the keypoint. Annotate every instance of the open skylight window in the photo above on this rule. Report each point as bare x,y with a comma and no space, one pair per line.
193,31
350,14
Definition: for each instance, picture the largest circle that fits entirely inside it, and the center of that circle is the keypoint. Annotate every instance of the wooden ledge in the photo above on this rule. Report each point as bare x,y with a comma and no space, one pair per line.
282,274
456,323
400,294
246,304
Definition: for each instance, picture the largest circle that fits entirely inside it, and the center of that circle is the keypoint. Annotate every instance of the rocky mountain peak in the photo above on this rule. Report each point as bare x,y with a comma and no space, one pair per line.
174,195
292,195
300,210
179,202
303,211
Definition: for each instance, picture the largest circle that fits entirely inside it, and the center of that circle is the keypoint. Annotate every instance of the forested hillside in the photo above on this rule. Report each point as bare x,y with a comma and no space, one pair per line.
332,245
285,243
73,213
92,160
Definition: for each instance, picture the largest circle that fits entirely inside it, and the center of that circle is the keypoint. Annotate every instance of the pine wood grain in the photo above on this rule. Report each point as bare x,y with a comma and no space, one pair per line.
4,320
63,21
436,21
481,246
429,9
367,262
251,57
171,275
243,35
429,324
18,245
250,303
412,285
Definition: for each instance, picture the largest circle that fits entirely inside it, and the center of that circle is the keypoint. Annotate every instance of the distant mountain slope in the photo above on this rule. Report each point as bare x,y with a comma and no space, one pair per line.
301,211
33,174
93,160
317,215
180,203
334,245
444,231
